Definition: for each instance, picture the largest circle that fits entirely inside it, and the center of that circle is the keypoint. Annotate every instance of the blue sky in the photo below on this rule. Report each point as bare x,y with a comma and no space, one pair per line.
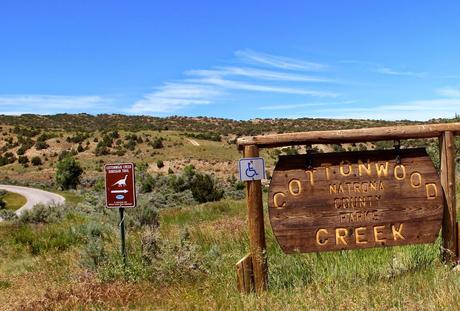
233,59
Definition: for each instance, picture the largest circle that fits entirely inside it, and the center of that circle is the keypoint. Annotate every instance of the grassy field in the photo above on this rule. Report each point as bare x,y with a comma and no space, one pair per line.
14,200
188,263
181,254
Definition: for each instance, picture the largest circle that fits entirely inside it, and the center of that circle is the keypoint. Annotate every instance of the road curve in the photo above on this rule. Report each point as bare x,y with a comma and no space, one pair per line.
34,196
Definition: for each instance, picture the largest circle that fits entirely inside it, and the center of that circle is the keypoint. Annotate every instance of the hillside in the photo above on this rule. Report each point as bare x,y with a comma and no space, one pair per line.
31,145
189,228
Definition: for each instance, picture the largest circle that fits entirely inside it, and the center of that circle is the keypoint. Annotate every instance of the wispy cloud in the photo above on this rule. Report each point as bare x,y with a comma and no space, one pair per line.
279,61
259,74
414,110
206,86
48,104
449,92
385,70
239,85
174,96
393,72
307,105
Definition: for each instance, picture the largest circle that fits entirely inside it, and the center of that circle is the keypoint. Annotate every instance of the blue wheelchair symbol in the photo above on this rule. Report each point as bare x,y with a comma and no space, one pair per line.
250,171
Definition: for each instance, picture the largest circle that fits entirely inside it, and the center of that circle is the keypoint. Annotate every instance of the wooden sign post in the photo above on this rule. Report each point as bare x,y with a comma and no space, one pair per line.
327,202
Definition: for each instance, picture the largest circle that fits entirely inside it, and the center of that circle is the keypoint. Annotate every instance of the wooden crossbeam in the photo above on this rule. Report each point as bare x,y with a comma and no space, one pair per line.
350,135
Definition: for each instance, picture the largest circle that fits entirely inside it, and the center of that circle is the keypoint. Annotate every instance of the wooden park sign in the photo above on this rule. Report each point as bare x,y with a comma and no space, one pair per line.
353,200
350,200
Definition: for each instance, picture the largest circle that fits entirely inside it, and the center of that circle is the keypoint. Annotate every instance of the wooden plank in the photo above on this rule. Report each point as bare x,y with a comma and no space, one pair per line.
458,243
256,226
449,230
353,200
244,273
350,135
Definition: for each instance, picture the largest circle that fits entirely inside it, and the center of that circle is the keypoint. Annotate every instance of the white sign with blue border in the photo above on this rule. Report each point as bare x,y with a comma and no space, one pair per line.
251,169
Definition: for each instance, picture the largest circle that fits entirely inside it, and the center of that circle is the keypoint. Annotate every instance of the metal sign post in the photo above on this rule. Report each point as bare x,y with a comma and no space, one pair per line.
122,233
120,192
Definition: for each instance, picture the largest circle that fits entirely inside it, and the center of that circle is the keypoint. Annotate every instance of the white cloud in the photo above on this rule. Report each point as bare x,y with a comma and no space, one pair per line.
206,86
413,110
297,106
392,72
48,104
279,61
174,96
449,92
258,74
237,85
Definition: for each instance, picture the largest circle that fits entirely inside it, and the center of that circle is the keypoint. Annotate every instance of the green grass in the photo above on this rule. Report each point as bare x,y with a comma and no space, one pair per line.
14,200
70,196
194,269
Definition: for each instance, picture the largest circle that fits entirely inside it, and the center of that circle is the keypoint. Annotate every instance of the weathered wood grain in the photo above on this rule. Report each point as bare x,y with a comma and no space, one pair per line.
449,230
257,243
341,202
350,135
244,275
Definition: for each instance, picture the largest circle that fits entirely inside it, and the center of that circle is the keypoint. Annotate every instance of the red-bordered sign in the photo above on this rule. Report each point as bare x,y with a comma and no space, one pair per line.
120,185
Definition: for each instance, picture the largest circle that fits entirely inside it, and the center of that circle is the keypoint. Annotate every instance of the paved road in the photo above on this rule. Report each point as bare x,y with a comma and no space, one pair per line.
34,196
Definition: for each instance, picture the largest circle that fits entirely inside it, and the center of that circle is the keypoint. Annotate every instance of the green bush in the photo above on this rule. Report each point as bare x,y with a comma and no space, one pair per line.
157,143
40,145
68,172
204,188
160,164
23,160
95,252
43,214
7,214
36,161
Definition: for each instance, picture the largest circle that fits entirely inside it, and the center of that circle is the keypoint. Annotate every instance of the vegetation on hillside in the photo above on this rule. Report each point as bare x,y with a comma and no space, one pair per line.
190,226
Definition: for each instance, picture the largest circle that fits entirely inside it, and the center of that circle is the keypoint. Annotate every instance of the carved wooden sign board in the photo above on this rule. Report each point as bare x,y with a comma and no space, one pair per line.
352,200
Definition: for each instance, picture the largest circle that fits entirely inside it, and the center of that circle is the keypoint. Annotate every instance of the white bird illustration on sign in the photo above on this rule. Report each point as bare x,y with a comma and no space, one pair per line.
121,182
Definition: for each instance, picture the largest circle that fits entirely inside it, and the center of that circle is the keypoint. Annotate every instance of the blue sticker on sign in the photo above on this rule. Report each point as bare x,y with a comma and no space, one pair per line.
120,197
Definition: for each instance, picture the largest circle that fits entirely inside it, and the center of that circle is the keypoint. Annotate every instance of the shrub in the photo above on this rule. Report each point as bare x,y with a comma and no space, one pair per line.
23,160
43,214
204,188
7,214
145,214
101,150
68,172
77,138
147,184
160,164
40,145
213,136
95,253
157,143
66,153
36,161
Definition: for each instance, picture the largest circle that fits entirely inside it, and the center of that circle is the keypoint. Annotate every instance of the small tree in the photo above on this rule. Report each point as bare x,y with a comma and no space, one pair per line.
68,172
204,188
23,160
36,161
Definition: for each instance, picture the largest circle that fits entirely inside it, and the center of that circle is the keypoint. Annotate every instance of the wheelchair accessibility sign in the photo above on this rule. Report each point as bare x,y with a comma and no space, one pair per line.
251,169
